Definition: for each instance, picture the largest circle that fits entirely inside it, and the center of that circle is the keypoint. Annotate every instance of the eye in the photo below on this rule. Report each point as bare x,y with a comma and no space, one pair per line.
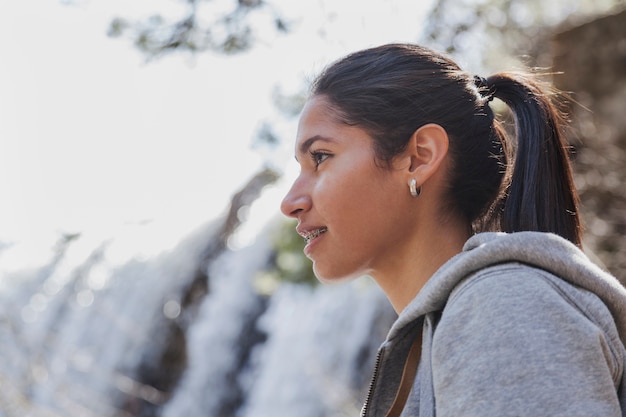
319,156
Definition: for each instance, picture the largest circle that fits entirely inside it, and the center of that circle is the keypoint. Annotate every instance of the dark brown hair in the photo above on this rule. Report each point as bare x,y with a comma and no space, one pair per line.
495,183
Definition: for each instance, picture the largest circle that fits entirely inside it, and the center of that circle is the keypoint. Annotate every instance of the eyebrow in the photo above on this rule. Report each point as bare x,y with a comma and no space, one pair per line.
306,145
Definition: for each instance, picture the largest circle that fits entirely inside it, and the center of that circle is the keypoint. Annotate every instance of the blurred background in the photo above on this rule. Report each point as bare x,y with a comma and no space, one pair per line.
145,146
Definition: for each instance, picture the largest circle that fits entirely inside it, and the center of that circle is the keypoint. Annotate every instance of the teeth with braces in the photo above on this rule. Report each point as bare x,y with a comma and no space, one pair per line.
312,235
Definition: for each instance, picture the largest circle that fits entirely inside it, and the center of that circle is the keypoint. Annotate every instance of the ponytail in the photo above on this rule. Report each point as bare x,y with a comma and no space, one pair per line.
540,193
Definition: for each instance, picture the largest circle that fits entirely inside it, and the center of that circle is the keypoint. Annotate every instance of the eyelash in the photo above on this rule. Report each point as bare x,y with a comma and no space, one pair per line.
319,156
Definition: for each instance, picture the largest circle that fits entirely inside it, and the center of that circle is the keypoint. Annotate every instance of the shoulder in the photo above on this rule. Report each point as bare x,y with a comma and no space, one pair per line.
518,332
513,301
529,298
513,289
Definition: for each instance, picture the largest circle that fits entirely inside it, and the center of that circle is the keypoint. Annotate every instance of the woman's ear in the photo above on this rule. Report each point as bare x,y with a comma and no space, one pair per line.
426,150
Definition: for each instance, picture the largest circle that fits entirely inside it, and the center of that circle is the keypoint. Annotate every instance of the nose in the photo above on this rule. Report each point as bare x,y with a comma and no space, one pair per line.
296,201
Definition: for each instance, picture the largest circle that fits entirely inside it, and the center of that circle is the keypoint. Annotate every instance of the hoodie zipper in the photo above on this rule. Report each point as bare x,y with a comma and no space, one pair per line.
370,391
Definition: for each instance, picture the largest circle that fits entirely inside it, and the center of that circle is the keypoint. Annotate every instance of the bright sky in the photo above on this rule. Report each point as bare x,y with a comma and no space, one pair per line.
92,136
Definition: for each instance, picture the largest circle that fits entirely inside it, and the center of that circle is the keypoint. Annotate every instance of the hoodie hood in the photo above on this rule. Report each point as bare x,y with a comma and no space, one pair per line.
546,251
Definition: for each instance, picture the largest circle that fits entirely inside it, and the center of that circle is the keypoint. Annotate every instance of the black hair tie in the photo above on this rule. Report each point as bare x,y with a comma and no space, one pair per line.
484,89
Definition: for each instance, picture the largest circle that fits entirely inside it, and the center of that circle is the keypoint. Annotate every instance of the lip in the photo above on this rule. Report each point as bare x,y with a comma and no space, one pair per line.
311,236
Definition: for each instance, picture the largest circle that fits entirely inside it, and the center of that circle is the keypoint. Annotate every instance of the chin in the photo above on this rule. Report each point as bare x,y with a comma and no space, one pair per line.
333,277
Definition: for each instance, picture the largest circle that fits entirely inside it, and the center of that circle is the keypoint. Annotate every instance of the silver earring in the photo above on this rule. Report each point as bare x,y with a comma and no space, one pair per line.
413,188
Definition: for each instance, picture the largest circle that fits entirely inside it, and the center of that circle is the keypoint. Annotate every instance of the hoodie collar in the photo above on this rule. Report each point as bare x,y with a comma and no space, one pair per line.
546,251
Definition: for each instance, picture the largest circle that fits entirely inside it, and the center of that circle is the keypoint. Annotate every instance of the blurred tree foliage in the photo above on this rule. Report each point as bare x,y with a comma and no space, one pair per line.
288,262
494,29
491,35
203,25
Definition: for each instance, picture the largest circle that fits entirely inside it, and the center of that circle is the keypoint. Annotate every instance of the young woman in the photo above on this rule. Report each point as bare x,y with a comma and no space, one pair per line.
475,238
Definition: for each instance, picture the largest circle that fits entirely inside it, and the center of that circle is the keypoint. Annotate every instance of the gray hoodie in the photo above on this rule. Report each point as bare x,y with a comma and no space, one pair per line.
518,324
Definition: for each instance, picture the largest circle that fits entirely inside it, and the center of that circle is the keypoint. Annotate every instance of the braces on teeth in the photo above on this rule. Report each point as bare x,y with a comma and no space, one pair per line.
310,236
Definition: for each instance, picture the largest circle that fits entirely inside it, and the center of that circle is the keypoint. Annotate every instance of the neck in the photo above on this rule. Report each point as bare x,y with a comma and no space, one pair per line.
404,276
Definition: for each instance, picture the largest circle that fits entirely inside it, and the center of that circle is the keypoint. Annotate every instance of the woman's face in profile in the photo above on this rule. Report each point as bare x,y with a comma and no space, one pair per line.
349,209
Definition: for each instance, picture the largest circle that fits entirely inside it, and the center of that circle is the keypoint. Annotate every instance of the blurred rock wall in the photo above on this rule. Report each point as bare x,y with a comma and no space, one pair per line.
592,59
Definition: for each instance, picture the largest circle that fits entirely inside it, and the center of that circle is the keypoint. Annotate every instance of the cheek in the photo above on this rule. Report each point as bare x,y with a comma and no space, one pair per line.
341,195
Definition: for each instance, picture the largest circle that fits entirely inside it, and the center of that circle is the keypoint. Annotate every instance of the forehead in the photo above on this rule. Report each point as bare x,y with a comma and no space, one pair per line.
317,119
317,111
